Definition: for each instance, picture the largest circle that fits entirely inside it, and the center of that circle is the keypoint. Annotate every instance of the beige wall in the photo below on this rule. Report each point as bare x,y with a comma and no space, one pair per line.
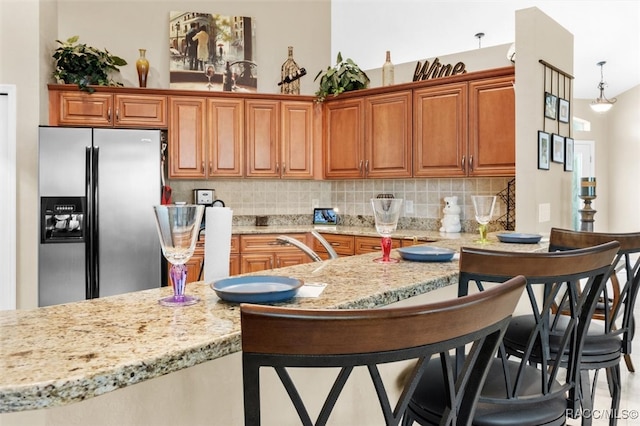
538,37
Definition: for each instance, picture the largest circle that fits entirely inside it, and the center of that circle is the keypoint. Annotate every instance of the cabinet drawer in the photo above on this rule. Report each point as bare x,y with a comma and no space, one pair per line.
371,244
342,244
267,243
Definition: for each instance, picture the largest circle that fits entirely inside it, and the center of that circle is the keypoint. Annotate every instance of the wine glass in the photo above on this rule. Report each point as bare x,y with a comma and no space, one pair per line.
386,212
483,206
178,228
209,71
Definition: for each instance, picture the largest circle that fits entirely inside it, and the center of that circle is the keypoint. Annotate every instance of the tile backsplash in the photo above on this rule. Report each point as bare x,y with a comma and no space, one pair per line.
249,197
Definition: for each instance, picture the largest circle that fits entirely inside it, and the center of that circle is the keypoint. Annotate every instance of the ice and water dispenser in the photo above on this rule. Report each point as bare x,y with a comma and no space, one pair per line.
62,219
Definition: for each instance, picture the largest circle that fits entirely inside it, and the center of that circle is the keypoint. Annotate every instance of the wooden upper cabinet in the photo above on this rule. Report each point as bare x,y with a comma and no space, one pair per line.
205,137
492,133
297,126
279,139
77,108
225,118
140,111
344,138
440,130
262,130
388,135
369,137
187,133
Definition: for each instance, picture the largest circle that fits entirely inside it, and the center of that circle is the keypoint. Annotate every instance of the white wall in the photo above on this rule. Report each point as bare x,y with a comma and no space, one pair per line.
624,179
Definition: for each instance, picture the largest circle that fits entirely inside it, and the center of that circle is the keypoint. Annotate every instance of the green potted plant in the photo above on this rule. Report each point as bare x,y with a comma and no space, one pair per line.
84,65
342,77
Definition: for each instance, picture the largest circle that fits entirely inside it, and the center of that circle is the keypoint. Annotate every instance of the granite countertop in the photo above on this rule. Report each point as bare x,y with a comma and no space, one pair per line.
61,354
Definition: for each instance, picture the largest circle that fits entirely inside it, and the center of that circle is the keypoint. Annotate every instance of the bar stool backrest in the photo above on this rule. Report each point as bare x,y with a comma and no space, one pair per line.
281,338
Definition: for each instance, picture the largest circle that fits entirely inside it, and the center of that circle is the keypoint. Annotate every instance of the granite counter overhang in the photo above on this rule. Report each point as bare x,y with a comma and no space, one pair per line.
66,353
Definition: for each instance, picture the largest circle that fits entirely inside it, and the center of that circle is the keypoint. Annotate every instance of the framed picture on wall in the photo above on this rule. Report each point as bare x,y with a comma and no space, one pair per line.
550,106
557,143
563,110
544,142
568,154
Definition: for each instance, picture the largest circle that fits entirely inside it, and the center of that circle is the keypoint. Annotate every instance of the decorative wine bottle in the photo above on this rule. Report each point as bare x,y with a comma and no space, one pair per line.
142,66
290,74
387,71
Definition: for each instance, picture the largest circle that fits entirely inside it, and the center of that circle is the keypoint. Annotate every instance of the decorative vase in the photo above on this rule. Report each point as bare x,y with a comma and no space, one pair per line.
387,71
142,66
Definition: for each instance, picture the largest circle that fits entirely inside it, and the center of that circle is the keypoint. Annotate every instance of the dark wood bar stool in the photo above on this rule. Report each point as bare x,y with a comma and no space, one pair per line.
530,388
284,337
611,331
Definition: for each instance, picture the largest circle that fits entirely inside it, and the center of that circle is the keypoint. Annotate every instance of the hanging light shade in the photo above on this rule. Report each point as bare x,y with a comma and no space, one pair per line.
601,103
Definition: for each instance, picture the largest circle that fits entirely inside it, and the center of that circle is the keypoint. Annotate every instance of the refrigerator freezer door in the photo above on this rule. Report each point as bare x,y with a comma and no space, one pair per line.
128,188
61,267
62,161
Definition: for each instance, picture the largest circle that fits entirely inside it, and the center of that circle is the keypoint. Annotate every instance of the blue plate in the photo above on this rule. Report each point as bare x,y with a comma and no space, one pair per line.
519,238
426,254
256,288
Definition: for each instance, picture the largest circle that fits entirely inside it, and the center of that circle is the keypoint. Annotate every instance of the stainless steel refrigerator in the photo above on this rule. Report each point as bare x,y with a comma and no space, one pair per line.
97,229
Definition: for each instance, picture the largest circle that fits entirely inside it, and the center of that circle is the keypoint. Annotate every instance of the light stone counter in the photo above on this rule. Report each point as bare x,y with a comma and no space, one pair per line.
61,354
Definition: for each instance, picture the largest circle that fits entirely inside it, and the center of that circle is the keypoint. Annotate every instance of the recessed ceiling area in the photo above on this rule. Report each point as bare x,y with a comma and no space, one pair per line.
418,29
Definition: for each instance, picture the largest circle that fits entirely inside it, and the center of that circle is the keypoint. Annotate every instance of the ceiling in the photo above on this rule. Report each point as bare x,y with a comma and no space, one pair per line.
417,29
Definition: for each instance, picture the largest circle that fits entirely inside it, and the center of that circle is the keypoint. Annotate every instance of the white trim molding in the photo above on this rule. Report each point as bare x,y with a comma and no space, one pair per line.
8,221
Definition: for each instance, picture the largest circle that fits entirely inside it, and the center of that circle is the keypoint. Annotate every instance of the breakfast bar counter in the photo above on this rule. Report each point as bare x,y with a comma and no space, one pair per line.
63,354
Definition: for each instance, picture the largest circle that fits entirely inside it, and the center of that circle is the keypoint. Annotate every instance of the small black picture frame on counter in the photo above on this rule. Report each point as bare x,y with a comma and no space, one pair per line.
563,110
558,148
544,142
568,154
550,105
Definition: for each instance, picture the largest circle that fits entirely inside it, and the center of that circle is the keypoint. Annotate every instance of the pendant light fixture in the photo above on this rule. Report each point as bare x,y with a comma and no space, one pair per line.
602,104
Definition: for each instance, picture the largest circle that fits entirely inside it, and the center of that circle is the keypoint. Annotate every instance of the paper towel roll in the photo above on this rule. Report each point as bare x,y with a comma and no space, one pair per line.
217,242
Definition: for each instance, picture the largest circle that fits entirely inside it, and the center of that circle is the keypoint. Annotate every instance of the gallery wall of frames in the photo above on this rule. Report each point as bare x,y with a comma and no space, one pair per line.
555,144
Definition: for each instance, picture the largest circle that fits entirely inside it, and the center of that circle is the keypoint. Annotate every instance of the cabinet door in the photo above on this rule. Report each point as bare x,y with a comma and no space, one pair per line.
297,140
388,135
81,109
344,139
440,131
186,137
492,133
234,264
141,111
291,259
256,262
225,119
262,127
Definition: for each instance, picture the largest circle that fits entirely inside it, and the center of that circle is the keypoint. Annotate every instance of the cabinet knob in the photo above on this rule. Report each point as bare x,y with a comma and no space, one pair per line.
117,114
109,115
284,168
202,167
471,162
366,167
462,163
360,167
210,167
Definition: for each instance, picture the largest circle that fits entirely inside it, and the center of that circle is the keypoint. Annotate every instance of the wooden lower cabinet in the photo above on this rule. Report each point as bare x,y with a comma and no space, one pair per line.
263,252
196,263
372,244
342,244
349,245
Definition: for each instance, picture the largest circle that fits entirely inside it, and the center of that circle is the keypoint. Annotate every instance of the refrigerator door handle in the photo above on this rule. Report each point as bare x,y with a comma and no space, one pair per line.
95,288
88,246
